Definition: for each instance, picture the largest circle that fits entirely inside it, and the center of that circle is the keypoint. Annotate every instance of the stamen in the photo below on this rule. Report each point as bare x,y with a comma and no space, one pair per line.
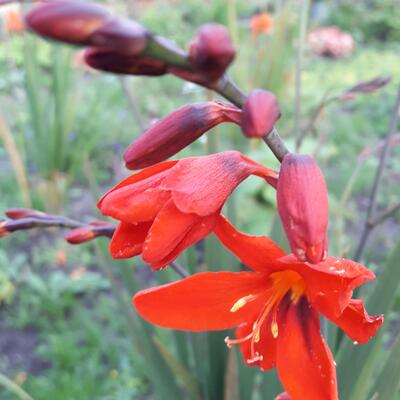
242,302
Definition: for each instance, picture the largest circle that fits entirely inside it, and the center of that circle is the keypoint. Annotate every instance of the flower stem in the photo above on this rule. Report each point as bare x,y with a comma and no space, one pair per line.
14,388
378,178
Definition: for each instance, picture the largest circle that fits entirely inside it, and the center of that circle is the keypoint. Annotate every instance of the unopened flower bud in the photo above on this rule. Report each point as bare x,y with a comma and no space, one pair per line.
260,113
176,131
117,63
211,51
365,87
18,213
69,21
303,207
80,235
121,35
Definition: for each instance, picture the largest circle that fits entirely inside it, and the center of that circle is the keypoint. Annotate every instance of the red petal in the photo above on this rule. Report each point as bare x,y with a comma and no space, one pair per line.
357,324
266,347
140,176
201,185
198,231
139,202
329,284
304,362
202,301
169,228
128,239
255,251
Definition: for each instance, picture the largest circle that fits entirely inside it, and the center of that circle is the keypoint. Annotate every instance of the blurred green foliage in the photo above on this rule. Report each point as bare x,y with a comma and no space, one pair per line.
71,125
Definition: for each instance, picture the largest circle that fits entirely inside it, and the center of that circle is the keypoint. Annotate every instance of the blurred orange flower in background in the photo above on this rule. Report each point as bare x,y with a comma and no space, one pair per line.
261,23
14,21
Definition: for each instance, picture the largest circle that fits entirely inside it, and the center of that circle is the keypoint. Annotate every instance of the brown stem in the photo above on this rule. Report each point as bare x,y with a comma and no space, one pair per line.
378,178
51,221
384,215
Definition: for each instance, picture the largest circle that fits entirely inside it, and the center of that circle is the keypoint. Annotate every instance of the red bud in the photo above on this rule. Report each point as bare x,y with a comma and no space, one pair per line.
18,213
177,130
365,87
303,206
211,51
80,235
69,21
260,113
117,63
121,35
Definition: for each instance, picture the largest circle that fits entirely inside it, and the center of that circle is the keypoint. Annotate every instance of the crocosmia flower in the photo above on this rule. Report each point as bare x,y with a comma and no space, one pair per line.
275,309
303,206
165,208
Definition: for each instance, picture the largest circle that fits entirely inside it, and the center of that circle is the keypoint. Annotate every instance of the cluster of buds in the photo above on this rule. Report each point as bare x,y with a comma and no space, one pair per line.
123,46
25,219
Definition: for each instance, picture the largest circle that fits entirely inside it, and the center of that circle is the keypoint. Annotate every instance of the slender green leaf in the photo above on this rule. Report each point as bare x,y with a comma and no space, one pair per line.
361,358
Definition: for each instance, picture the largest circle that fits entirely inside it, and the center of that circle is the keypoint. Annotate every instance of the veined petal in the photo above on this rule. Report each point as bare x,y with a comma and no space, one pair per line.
356,322
200,230
128,239
201,185
140,176
265,348
201,302
330,283
255,251
304,362
138,202
170,227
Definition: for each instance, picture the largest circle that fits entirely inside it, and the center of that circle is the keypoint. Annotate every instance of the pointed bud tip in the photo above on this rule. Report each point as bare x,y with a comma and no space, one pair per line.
260,113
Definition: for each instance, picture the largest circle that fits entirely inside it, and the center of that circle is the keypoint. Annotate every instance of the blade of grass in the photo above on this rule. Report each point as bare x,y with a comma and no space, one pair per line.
357,358
387,383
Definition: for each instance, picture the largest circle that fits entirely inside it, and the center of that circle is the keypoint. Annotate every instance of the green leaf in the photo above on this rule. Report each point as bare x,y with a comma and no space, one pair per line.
359,361
387,383
180,372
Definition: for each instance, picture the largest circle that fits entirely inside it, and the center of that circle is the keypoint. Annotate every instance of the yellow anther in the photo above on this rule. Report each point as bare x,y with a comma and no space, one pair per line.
242,302
274,329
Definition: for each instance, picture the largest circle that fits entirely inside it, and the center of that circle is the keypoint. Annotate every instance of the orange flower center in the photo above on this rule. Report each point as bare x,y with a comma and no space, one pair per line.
281,283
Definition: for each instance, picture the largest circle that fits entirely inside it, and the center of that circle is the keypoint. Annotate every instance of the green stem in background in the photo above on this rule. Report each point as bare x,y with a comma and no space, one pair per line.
14,388
232,21
132,102
378,178
299,66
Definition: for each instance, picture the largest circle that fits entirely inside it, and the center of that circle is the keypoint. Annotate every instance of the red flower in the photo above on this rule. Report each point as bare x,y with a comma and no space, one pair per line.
165,208
303,206
275,309
176,131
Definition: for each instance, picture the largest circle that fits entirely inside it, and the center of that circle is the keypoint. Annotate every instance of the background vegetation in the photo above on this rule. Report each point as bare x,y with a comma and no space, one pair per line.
64,333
